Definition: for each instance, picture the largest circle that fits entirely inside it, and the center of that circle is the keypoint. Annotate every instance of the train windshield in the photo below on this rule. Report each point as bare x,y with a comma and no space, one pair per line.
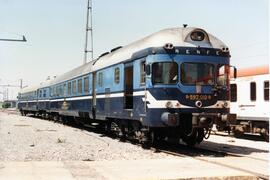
223,75
197,74
165,73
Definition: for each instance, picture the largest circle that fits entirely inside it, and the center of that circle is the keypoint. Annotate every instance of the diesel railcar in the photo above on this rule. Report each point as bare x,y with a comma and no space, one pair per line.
173,83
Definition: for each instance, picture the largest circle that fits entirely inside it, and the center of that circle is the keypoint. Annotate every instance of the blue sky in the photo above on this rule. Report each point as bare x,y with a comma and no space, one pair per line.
55,30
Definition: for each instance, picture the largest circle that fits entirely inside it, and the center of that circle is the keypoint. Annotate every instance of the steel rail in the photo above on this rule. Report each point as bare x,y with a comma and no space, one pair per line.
258,175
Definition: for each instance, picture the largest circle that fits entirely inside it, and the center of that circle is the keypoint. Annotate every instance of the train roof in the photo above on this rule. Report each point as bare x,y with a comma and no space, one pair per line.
79,71
253,71
177,36
29,89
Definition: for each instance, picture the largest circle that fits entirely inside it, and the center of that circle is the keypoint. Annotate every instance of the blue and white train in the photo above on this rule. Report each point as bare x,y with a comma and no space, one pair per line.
173,83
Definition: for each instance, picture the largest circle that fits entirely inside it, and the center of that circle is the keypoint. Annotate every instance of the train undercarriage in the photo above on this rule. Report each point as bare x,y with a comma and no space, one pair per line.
251,127
186,131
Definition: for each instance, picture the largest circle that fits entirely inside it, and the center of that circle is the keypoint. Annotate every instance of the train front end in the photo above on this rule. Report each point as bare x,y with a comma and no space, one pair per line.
188,87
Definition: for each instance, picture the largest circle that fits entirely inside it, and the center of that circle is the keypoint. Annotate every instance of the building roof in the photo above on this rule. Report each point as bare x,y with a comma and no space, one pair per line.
252,71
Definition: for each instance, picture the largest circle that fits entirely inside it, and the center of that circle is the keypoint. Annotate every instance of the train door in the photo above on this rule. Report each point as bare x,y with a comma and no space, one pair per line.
94,100
107,101
128,85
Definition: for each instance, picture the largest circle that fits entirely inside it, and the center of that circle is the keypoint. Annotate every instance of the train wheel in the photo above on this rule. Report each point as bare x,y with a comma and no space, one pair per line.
200,135
115,129
108,127
265,134
55,117
191,139
150,141
123,135
238,131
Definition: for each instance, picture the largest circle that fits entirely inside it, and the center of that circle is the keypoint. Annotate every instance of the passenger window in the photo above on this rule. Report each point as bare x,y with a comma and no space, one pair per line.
142,70
86,85
44,93
253,91
57,91
233,92
100,79
40,93
80,86
117,75
69,88
61,90
51,91
74,87
266,90
65,89
54,91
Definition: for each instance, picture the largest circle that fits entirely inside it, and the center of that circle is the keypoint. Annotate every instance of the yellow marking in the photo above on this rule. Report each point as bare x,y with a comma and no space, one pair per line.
196,97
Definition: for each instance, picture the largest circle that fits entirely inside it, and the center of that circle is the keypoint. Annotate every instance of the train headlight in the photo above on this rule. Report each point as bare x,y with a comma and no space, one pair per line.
168,46
169,104
197,35
225,49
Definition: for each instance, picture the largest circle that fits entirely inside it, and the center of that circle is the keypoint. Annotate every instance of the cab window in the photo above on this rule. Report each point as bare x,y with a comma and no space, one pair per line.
197,74
165,73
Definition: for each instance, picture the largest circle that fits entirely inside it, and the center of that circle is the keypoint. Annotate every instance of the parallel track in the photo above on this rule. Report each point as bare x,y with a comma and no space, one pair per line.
257,175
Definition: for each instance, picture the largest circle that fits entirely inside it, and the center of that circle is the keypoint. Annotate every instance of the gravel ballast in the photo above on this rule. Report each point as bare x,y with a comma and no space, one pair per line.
33,139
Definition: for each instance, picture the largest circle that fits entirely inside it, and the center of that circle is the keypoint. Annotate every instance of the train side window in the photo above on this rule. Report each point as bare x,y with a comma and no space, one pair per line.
100,79
142,75
117,75
69,88
74,87
44,93
51,91
266,90
253,91
57,91
80,86
233,92
54,91
61,90
40,93
86,85
64,89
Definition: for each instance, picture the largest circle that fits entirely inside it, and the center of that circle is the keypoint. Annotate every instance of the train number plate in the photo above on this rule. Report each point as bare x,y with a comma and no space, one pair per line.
196,97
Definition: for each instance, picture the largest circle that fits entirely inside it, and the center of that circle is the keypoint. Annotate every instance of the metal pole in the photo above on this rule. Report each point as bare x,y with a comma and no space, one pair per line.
92,44
18,40
21,83
88,28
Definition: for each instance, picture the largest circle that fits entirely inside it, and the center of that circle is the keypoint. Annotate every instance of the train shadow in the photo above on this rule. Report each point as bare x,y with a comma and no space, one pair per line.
237,149
214,149
253,137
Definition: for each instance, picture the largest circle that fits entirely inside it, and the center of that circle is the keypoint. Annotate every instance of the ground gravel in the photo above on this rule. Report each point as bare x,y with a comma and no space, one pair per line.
33,139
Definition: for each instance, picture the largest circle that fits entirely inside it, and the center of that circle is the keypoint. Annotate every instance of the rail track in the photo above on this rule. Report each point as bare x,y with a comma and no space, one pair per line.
175,152
198,153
